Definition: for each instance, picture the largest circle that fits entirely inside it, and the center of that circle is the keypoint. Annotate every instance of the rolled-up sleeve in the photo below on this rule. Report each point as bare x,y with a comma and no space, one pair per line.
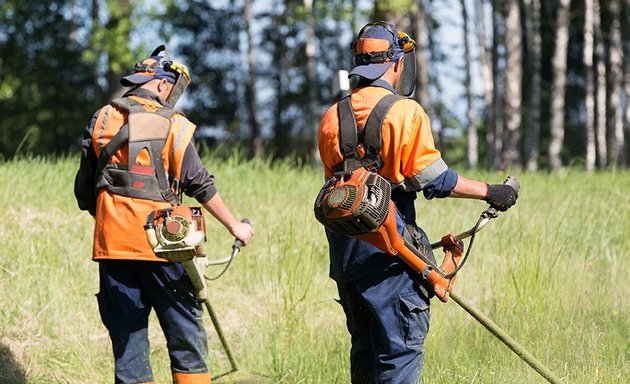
441,186
196,181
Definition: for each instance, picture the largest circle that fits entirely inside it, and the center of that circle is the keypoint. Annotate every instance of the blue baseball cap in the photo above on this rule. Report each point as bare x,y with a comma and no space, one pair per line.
149,69
376,48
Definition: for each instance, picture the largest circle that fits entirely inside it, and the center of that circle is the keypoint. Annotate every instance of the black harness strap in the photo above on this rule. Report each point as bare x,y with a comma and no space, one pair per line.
347,129
372,138
348,139
372,134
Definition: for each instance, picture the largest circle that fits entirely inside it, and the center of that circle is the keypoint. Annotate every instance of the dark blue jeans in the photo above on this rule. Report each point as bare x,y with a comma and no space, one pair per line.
387,315
128,292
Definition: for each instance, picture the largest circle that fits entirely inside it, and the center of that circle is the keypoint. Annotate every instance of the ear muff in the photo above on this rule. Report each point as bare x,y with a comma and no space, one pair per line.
405,42
377,57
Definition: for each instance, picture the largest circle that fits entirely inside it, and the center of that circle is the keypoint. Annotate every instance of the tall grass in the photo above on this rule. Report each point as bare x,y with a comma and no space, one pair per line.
553,272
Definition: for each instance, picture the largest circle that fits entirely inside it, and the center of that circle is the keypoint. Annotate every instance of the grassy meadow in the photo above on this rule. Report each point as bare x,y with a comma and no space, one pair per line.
553,272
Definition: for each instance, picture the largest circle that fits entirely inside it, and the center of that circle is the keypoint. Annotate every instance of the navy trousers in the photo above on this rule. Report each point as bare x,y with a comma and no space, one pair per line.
128,292
387,316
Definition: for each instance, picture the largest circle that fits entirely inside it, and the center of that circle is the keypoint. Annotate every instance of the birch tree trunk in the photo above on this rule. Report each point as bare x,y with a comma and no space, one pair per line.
281,135
590,85
494,136
471,131
559,64
486,65
422,66
312,120
615,127
600,95
437,105
532,131
513,80
255,143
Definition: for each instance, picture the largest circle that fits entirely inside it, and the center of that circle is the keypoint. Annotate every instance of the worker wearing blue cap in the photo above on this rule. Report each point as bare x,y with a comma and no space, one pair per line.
380,128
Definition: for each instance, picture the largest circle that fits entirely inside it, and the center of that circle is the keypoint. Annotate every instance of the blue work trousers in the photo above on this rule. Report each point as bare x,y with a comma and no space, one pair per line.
387,316
128,292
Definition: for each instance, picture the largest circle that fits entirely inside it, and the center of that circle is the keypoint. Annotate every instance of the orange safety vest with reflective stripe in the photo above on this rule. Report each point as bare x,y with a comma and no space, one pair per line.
410,159
118,231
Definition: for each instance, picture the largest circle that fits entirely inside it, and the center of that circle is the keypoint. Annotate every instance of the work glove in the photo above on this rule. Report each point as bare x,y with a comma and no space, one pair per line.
501,196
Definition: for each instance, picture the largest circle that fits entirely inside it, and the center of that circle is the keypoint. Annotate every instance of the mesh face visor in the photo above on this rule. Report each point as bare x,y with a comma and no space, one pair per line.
163,67
407,82
182,82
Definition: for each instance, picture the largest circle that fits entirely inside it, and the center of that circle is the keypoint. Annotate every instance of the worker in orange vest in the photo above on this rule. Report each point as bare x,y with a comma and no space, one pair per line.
380,128
137,157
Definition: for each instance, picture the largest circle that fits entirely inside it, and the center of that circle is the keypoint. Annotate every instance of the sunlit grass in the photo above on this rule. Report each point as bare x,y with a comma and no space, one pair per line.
552,272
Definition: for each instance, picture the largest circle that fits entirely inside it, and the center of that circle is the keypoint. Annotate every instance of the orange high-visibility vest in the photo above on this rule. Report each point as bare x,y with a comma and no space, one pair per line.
126,187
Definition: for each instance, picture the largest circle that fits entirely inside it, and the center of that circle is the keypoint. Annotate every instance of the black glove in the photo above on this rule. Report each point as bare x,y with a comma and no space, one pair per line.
501,196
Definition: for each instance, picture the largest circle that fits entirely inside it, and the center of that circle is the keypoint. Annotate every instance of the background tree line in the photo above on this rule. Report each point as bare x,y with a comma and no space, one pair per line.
545,83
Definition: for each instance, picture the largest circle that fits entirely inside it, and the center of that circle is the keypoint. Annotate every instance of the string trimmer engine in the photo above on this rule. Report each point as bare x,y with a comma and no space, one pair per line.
176,234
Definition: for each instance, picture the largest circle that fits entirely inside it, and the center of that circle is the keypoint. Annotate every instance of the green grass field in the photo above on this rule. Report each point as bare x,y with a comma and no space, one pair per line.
553,272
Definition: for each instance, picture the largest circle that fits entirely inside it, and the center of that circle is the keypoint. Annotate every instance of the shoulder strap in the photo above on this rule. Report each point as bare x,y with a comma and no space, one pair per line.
150,139
372,138
348,140
372,134
127,104
121,137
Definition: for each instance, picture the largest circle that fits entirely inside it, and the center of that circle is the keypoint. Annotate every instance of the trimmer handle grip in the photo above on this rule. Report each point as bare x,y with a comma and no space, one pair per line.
512,182
237,243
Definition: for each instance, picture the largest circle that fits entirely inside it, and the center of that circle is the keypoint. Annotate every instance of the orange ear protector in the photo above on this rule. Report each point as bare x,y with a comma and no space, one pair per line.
400,38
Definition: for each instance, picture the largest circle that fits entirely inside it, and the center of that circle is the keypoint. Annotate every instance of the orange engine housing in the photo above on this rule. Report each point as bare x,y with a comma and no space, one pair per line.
359,205
353,204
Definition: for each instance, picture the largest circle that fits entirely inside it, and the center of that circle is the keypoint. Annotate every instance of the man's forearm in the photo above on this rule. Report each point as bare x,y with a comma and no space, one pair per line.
218,209
470,189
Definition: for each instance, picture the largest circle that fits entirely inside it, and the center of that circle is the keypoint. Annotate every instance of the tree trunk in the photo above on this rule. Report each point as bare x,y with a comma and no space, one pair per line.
393,13
280,135
494,136
590,85
73,24
471,131
437,107
600,95
119,31
420,34
513,80
255,144
486,66
615,127
532,131
626,84
559,64
312,120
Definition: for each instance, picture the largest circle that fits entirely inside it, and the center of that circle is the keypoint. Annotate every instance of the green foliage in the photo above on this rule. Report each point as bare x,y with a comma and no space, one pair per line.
62,59
552,272
55,56
40,77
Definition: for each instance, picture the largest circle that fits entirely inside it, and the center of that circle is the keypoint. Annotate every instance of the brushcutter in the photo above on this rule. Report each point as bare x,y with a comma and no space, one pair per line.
358,204
177,234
